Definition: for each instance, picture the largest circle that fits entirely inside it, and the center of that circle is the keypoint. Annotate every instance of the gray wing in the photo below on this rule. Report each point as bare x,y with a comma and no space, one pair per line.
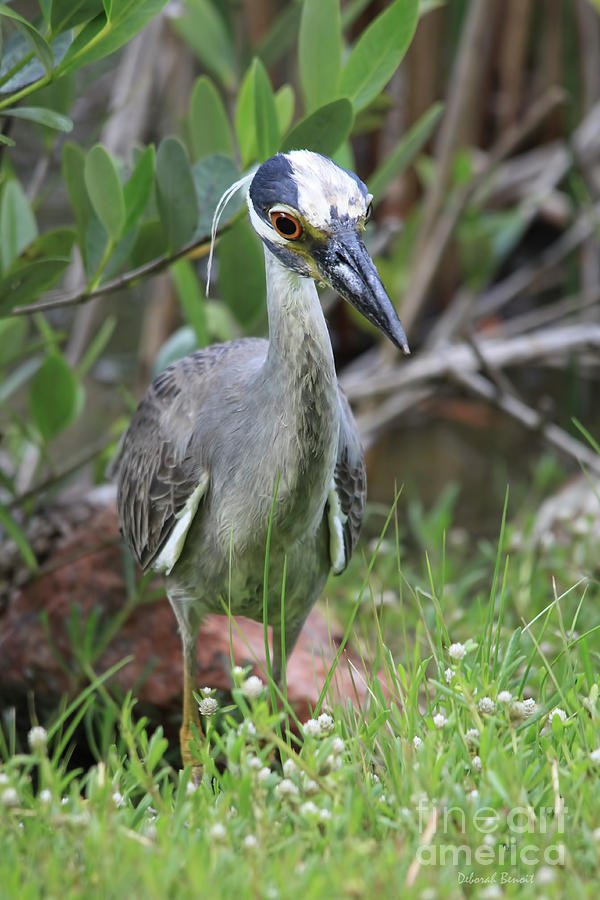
163,468
346,505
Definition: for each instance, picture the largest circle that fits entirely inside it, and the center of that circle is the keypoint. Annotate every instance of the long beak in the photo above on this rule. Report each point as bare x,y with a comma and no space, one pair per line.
345,264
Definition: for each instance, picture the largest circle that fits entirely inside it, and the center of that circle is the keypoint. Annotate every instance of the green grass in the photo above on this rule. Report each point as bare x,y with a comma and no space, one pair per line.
494,790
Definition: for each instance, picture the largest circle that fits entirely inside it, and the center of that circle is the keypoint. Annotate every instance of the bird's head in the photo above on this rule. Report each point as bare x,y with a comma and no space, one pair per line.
311,214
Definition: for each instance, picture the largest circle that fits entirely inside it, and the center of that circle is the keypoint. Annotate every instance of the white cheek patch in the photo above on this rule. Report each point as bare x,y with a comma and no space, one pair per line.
336,521
171,551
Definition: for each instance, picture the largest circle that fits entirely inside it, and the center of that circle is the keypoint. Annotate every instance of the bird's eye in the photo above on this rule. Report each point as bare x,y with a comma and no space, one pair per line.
369,211
286,225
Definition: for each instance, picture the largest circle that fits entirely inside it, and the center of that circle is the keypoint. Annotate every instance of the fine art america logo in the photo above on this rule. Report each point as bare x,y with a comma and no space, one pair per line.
507,841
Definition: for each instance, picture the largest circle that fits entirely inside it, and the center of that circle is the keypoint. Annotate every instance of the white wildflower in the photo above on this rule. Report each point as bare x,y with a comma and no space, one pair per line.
190,788
439,720
289,768
247,727
311,728
595,756
253,762
217,831
545,875
504,697
311,787
3,778
486,705
252,687
337,746
37,738
449,675
374,777
45,796
472,737
208,706
263,773
417,742
457,651
557,711
286,788
206,691
9,797
237,671
118,798
330,764
476,763
324,815
309,809
325,723
530,706
250,842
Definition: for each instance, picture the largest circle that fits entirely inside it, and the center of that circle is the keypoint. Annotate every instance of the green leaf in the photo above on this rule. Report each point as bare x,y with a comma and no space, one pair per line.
17,223
105,190
402,155
55,396
324,130
67,13
15,532
265,112
138,190
12,334
319,51
58,242
284,103
378,52
17,47
73,166
212,177
150,243
41,116
204,30
209,125
27,282
281,36
175,193
245,120
242,273
101,37
191,298
39,45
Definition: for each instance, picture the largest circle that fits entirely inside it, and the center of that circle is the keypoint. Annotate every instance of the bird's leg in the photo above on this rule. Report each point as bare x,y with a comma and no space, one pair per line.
191,715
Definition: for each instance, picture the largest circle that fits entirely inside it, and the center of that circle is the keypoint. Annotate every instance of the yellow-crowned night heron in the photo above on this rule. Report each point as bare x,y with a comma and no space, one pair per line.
224,431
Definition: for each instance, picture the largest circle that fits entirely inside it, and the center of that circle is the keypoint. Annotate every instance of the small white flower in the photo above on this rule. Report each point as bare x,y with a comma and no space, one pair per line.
325,723
596,834
37,738
289,768
118,799
449,675
252,687
250,842
491,891
263,773
309,809
237,671
417,742
9,797
439,720
247,727
3,778
208,706
286,788
337,746
476,763
545,875
150,831
311,728
45,796
374,777
530,705
472,737
217,831
190,788
324,815
486,705
253,762
311,787
504,697
457,651
595,756
557,711
330,764
206,691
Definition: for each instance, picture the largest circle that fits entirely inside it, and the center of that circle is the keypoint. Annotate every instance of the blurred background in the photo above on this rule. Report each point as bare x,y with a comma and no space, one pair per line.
480,139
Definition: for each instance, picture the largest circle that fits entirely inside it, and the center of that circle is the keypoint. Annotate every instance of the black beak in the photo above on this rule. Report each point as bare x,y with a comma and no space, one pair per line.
345,264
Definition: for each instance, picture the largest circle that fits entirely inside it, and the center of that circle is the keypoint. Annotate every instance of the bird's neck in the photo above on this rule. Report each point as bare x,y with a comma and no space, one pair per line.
299,341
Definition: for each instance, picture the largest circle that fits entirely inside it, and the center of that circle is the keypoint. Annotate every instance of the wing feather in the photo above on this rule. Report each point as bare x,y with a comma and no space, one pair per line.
346,505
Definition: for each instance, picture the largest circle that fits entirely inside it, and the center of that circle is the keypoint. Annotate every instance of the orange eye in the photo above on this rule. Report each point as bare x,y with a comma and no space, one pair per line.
286,225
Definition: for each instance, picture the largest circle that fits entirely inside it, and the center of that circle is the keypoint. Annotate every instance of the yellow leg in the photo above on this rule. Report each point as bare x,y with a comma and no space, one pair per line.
190,707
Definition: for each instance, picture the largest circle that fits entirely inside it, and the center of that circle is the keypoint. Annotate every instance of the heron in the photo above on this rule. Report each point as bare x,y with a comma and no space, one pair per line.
255,436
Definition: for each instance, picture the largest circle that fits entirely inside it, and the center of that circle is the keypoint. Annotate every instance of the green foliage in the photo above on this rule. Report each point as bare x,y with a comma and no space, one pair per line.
324,130
175,192
17,223
210,132
104,190
55,396
320,52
